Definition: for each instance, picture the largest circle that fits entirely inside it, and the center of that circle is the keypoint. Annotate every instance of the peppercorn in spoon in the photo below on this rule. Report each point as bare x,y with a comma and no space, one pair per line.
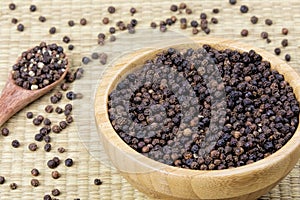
36,72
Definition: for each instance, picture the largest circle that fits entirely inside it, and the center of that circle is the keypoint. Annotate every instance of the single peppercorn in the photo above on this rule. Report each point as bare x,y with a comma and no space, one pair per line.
284,42
182,6
173,8
69,119
83,21
55,192
97,181
15,143
188,11
284,31
268,22
35,172
5,132
52,164
66,39
105,20
194,23
38,137
264,35
47,197
277,51
71,95
215,10
56,129
32,147
86,60
68,162
232,2
55,174
203,16
35,182
254,19
71,23
61,150
47,147
153,25
52,30
32,8
244,9
70,47
42,18
132,11
47,139
244,33
13,186
20,27
214,20
111,9
12,6
2,180
14,20
112,30
287,57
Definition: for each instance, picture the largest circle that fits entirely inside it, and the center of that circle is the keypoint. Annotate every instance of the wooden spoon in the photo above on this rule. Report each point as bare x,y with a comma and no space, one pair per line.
14,98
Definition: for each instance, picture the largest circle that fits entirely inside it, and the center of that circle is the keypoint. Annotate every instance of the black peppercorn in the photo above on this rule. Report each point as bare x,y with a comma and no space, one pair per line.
2,180
71,95
14,20
173,8
83,21
244,9
12,6
42,18
66,39
32,8
5,132
32,147
71,23
244,32
35,182
284,43
68,162
52,30
232,2
47,147
13,186
284,31
55,174
20,27
194,23
277,51
111,9
85,60
254,20
132,11
15,143
287,57
38,137
55,192
264,35
105,20
52,164
268,22
97,181
35,172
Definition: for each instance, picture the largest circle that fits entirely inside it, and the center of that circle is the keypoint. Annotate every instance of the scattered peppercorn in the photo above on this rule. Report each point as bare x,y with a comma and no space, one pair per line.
268,22
32,147
15,143
42,18
111,9
132,11
13,186
12,6
47,139
203,16
20,27
194,23
61,150
47,147
55,192
2,180
214,20
284,42
38,137
83,21
86,60
153,25
71,95
35,182
71,23
112,30
32,8
52,30
97,181
52,164
68,162
35,172
232,2
284,31
47,197
58,110
264,35
105,20
173,8
215,10
5,132
287,57
55,174
244,9
182,6
254,19
14,20
66,39
70,47
188,11
244,33
56,129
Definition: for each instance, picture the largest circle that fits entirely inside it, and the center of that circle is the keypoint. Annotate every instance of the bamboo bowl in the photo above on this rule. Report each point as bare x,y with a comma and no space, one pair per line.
162,181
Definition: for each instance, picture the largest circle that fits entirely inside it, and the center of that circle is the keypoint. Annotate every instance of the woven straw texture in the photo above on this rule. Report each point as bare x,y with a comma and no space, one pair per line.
78,181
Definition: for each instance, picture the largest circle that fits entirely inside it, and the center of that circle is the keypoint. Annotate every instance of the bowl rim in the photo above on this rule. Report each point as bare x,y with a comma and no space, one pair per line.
219,43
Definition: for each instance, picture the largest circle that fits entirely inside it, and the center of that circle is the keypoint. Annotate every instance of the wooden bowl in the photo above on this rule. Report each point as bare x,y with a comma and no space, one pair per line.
166,182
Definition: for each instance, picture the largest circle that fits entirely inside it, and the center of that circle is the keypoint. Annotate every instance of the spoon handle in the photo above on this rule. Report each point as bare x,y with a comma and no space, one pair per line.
12,99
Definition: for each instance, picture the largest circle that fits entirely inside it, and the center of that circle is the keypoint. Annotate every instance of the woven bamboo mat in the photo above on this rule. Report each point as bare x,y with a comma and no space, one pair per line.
79,139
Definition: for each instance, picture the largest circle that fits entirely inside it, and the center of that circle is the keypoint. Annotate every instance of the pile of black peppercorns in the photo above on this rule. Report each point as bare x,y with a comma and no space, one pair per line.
261,114
40,66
